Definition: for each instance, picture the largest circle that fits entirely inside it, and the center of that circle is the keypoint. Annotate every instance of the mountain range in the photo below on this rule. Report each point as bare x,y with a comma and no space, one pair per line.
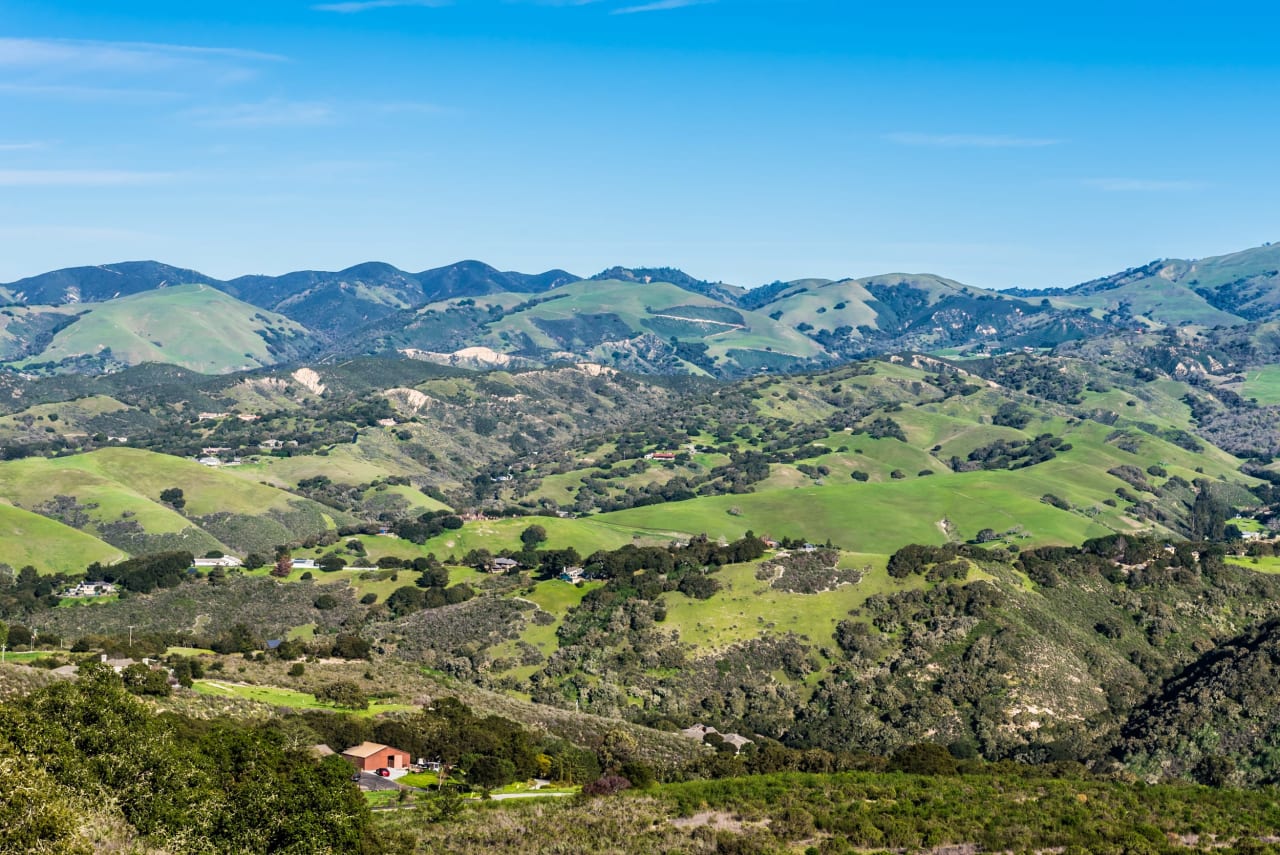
650,320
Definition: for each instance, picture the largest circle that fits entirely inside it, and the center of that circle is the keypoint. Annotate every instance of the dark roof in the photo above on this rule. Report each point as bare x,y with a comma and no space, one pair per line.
368,749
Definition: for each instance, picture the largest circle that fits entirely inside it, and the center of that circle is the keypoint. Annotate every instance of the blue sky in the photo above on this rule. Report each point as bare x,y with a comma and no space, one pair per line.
742,140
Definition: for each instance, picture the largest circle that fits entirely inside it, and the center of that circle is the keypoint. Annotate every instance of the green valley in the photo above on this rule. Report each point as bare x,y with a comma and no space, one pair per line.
682,534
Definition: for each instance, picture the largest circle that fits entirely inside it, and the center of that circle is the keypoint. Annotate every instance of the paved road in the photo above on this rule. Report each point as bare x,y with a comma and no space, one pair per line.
374,783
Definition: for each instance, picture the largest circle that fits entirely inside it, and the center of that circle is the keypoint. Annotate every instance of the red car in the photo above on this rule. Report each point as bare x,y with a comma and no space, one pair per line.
384,772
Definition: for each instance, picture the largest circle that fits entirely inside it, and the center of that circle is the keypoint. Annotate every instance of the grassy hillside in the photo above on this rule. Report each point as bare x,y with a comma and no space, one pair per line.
1230,289
826,305
585,317
1150,301
113,495
878,517
586,535
377,439
448,425
1263,383
47,544
895,312
803,456
66,420
194,326
27,330
859,302
1124,460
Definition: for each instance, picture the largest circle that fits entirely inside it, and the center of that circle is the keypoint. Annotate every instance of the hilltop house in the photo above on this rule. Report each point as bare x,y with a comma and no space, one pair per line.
503,565
369,756
698,731
224,561
573,575
90,589
701,731
117,665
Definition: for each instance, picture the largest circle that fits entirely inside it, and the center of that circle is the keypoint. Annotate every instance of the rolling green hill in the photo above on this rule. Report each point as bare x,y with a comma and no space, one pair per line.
1233,289
1124,460
442,428
629,324
46,544
897,311
112,497
27,330
871,456
193,326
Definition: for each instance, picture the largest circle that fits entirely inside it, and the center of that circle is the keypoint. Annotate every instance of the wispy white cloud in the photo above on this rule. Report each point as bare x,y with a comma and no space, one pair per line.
96,71
65,54
263,114
353,6
659,6
79,177
87,93
1140,185
970,140
31,145
279,113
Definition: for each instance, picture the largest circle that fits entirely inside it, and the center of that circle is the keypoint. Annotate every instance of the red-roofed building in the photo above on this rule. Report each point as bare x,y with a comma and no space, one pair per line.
370,756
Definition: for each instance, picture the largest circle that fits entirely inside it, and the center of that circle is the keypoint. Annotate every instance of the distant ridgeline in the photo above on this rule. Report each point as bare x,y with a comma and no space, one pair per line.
646,320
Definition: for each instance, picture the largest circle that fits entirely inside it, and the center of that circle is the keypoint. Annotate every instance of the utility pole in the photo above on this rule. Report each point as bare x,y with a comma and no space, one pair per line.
3,648
130,636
